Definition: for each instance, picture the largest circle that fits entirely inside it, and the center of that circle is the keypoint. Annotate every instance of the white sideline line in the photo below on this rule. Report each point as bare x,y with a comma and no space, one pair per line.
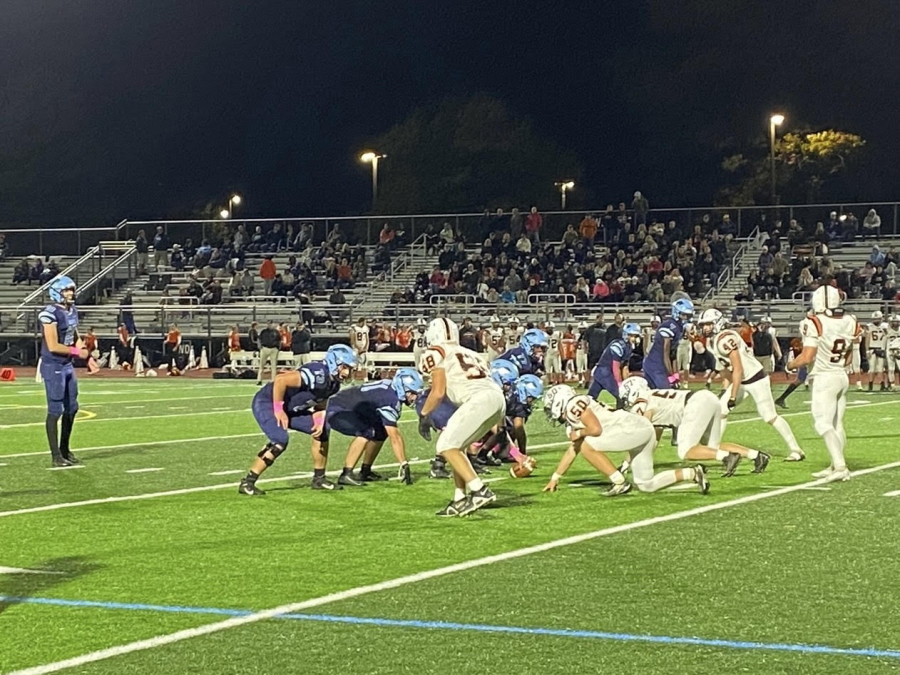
894,493
230,472
128,419
65,468
91,404
818,488
172,441
233,622
147,470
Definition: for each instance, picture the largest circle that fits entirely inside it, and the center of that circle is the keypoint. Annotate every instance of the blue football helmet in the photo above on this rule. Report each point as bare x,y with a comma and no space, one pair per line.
631,330
529,386
504,373
407,381
682,309
531,339
340,355
57,286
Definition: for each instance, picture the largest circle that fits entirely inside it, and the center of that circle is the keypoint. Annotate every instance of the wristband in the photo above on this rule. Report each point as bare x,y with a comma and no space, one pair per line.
555,477
278,406
674,377
74,351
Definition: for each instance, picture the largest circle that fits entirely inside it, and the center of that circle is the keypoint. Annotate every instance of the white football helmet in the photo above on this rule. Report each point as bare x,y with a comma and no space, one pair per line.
549,324
714,319
877,315
633,388
825,299
555,401
495,319
655,321
441,331
582,325
894,320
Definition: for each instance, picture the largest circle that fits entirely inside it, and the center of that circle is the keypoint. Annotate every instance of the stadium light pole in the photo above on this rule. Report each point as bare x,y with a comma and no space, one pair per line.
234,200
775,120
564,187
372,158
225,214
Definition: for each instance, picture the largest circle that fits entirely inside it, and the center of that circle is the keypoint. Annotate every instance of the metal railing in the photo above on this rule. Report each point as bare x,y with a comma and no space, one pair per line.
731,271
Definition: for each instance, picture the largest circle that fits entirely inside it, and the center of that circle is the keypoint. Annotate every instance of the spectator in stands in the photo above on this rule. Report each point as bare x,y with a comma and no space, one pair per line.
523,246
516,223
160,248
834,226
507,296
37,272
142,248
780,265
821,237
345,274
534,221
202,256
570,236
641,208
125,309
241,239
447,234
871,224
213,293
337,297
765,259
850,227
876,257
22,272
246,283
267,273
728,226
587,228
386,236
177,259
189,249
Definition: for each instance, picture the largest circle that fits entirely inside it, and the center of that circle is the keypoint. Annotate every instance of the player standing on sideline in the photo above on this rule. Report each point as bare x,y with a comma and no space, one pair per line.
795,349
458,375
553,359
684,353
529,355
60,344
697,416
369,414
170,347
827,339
359,340
612,367
295,400
419,343
494,339
658,369
744,376
892,349
875,334
594,430
581,353
650,334
567,353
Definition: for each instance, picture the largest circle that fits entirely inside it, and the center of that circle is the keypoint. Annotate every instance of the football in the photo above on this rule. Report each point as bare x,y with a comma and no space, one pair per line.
521,470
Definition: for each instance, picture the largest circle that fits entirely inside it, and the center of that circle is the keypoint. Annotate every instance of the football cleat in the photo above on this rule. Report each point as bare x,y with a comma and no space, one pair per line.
370,476
824,472
625,465
351,479
477,500
700,478
490,460
438,470
71,459
761,462
59,462
795,456
618,489
838,475
730,464
781,403
404,475
453,508
249,488
322,483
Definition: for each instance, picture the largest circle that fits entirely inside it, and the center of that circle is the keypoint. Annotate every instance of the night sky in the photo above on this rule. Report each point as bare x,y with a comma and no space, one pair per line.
113,109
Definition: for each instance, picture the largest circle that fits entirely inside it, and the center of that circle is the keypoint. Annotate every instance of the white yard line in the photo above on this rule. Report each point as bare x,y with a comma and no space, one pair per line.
895,493
147,470
138,417
171,441
230,472
65,468
818,488
219,626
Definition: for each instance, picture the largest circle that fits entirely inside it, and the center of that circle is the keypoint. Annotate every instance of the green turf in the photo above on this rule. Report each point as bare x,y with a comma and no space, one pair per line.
804,567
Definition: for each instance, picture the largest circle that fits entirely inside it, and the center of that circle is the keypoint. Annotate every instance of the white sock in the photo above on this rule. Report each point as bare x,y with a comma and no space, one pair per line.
835,449
458,494
723,424
662,480
689,474
475,484
752,454
784,429
721,454
617,477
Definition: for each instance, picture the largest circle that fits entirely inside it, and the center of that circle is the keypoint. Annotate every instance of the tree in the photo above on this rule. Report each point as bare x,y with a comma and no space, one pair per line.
467,154
804,162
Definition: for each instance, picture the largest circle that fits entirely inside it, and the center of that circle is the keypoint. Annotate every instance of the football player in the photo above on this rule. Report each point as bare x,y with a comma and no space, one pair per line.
698,418
359,341
743,376
892,349
612,367
511,436
685,352
875,335
658,369
494,339
594,430
60,345
369,414
296,400
581,353
419,344
552,358
457,374
795,348
827,339
529,355
649,333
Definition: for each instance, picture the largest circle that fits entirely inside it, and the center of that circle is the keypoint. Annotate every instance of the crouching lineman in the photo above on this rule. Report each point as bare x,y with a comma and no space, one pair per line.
528,357
594,430
511,436
828,337
457,374
612,367
369,414
744,376
697,416
295,400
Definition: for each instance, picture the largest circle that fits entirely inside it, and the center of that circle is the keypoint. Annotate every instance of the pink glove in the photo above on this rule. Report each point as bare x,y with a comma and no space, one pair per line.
516,454
674,378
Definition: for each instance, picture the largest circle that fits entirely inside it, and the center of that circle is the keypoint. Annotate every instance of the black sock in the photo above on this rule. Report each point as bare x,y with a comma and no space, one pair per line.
52,435
251,477
366,468
68,421
347,470
318,473
790,390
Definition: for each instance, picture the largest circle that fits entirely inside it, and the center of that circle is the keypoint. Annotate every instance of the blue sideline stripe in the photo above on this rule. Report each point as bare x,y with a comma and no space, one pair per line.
480,628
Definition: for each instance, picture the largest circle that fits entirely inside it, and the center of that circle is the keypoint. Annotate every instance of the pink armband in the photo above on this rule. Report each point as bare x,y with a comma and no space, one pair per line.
516,454
74,351
674,377
278,406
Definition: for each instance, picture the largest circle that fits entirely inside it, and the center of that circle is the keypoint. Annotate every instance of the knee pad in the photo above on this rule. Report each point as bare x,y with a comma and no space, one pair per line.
270,453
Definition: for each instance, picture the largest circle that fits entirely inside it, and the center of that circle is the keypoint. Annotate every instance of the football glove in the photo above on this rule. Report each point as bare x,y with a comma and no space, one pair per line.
404,475
425,427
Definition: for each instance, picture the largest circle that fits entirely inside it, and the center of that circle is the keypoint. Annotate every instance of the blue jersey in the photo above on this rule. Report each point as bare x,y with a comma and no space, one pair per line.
671,329
66,321
515,408
617,350
317,386
440,415
375,402
524,362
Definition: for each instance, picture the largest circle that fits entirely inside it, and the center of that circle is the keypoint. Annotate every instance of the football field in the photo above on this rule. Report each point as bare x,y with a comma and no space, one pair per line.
146,559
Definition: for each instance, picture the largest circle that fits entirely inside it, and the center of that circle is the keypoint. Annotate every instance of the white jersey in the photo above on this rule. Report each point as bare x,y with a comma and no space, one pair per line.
513,335
892,341
579,404
833,338
360,337
553,342
494,339
875,336
666,406
467,375
722,344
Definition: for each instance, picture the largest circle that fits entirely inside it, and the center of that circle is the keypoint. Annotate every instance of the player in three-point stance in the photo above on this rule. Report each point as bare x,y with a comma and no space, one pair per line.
743,376
529,355
511,437
594,430
369,414
457,374
658,368
828,337
296,400
60,344
697,415
612,367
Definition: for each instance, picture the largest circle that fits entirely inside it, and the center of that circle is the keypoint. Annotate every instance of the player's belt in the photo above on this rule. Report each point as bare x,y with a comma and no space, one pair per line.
756,378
